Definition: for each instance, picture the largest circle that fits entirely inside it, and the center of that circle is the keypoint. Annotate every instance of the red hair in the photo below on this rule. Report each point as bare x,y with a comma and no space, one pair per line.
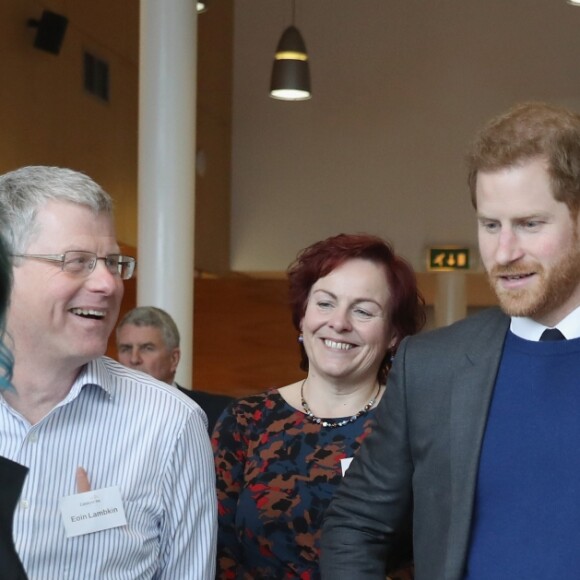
406,305
532,131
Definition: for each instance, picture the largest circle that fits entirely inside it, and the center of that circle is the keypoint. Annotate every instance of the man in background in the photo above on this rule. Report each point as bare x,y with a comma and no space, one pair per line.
80,422
148,341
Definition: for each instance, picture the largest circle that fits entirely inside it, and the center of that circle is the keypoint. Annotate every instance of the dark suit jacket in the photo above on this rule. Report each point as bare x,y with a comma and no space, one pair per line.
423,454
212,404
12,477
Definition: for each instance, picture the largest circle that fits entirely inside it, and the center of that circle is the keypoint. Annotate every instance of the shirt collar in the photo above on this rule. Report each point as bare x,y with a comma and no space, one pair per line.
529,329
93,373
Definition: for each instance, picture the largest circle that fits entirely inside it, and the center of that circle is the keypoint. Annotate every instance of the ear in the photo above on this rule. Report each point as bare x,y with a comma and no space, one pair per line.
175,357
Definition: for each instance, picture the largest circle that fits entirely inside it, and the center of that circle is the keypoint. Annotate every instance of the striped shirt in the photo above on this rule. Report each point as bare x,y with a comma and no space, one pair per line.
127,430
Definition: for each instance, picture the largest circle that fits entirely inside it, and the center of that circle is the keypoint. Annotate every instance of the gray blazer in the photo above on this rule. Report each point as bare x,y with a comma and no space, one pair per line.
423,452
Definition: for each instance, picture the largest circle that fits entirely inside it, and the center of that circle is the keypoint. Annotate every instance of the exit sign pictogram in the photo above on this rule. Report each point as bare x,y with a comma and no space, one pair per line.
447,259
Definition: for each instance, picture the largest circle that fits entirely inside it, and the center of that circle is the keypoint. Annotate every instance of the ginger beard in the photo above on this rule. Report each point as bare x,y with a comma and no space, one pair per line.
552,289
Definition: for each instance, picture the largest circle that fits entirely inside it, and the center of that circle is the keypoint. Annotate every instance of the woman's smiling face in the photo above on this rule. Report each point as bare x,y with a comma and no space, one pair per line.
346,323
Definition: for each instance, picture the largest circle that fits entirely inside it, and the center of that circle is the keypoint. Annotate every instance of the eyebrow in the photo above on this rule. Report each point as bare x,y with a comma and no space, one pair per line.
132,344
542,215
356,300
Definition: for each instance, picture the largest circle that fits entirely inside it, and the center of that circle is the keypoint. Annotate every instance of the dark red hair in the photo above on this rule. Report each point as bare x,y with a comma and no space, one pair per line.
406,305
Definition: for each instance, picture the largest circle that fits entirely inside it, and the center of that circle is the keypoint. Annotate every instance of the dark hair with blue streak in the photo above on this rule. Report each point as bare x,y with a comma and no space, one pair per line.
5,286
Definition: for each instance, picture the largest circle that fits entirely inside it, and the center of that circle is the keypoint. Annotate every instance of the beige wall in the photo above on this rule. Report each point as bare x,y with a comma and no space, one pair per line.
399,88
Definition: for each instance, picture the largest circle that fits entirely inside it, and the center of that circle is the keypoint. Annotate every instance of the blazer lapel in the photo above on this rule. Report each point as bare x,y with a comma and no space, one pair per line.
472,391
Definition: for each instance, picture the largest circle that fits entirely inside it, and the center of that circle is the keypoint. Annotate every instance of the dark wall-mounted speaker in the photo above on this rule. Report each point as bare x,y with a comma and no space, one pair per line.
50,31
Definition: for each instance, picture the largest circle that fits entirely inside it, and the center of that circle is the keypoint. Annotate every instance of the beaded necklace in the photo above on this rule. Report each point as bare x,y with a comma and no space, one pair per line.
314,419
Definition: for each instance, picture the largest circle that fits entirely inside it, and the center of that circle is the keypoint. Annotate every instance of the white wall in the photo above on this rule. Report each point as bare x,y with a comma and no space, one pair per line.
399,89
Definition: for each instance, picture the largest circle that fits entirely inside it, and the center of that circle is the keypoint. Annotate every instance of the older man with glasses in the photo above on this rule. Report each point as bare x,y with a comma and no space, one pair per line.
120,480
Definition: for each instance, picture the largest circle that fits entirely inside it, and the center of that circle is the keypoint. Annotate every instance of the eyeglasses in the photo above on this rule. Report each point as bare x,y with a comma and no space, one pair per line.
83,263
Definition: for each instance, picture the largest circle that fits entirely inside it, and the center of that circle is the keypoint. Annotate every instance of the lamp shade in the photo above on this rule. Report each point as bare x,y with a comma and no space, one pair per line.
290,73
202,5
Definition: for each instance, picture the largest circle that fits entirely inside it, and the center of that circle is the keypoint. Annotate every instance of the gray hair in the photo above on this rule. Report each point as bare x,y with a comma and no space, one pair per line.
24,191
155,317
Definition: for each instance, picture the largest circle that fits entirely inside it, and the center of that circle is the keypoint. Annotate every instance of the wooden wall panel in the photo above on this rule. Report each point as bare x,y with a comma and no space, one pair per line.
244,341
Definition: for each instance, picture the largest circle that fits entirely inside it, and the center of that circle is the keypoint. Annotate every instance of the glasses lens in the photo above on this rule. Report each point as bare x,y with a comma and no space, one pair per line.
128,267
124,266
78,262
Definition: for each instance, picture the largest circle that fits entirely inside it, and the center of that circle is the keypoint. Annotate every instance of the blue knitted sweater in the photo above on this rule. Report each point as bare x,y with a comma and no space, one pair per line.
527,508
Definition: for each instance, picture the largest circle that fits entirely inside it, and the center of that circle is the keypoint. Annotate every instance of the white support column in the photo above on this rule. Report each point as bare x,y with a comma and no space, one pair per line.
167,124
450,298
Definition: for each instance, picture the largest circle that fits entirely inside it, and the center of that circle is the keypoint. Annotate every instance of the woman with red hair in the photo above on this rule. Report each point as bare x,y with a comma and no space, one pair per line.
280,455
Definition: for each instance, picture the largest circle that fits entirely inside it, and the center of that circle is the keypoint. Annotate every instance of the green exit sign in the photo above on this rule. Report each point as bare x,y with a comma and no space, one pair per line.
447,259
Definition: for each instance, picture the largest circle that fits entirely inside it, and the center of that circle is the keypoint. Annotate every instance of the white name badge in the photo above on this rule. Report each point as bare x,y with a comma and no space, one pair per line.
92,511
345,464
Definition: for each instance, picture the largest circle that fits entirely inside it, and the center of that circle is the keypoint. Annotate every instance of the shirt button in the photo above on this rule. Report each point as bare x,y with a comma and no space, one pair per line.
33,438
24,504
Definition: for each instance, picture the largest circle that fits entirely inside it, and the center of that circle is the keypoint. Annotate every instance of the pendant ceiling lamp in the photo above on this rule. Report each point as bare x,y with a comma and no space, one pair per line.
291,73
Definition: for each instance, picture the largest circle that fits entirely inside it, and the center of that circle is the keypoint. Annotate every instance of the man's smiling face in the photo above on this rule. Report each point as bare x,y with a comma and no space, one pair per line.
59,316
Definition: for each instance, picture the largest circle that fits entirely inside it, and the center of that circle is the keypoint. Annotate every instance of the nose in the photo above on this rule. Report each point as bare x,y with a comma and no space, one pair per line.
135,356
508,247
340,320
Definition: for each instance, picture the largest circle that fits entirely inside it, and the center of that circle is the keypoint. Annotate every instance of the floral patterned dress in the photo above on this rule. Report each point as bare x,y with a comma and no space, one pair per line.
276,474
